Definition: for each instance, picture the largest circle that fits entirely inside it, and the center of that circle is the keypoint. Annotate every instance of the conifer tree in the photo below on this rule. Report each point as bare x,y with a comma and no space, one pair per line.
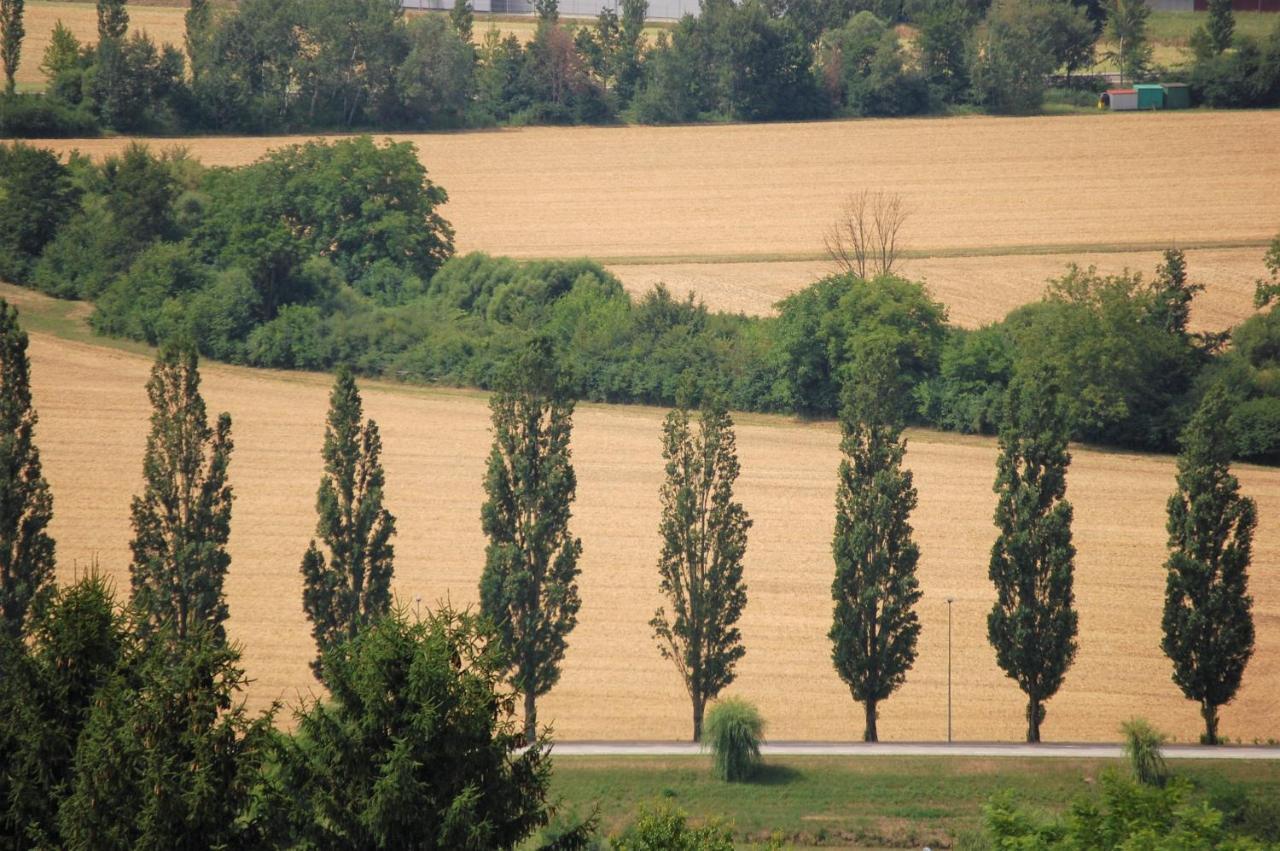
875,589
704,537
463,18
529,586
1208,613
1171,309
182,520
26,506
1221,25
1033,624
113,20
11,35
352,587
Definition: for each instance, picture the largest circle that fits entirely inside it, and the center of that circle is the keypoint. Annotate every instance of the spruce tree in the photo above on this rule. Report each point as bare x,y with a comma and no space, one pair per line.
463,18
11,35
1172,295
113,20
529,586
1033,624
875,589
1221,25
704,538
352,587
1208,617
26,506
182,520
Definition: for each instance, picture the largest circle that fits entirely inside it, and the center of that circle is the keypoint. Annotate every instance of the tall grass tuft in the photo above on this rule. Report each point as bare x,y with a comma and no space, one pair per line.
733,730
1142,744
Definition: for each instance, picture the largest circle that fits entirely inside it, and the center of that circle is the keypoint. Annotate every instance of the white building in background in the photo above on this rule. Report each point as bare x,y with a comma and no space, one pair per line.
659,10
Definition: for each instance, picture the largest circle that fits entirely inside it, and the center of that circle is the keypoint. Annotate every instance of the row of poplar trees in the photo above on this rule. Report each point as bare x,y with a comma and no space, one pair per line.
528,589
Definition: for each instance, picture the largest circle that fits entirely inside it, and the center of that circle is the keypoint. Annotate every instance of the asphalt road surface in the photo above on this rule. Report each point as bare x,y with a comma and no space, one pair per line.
1089,751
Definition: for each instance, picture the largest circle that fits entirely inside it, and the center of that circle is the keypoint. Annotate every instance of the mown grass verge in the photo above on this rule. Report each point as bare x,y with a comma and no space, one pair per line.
863,802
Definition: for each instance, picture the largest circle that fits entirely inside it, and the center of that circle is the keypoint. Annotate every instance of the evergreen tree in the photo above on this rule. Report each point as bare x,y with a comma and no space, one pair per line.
462,15
182,520
26,506
11,35
113,20
418,747
529,585
1032,625
875,589
704,537
1173,295
1221,25
1208,617
353,586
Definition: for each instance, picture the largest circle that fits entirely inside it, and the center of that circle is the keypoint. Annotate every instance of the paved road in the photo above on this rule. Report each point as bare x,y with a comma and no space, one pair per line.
979,749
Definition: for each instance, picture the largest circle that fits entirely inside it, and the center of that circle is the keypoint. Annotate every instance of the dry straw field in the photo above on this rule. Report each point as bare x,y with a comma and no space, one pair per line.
737,212
93,414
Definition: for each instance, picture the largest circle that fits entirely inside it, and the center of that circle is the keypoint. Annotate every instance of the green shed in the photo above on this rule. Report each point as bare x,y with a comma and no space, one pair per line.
1177,96
1150,96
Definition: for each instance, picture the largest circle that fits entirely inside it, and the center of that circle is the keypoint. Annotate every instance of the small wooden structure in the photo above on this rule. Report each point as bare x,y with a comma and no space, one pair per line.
1119,99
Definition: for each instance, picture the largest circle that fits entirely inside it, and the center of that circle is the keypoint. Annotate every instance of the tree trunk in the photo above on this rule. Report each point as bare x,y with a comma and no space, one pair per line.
1034,714
699,706
1210,714
530,718
869,735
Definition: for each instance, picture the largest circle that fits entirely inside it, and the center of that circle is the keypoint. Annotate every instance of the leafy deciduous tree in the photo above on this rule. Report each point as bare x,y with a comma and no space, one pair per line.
353,586
1033,623
11,35
529,586
1208,613
704,538
182,520
26,505
875,589
1127,31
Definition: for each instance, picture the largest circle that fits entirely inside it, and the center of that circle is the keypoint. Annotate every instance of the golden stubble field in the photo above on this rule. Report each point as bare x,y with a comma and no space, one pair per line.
93,420
1027,195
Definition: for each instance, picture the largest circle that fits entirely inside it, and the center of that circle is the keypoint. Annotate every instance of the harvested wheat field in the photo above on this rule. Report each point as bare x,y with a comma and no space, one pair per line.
977,290
93,420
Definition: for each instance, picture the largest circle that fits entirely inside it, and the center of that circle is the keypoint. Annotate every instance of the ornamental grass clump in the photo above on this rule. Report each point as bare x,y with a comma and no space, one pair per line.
733,731
1142,744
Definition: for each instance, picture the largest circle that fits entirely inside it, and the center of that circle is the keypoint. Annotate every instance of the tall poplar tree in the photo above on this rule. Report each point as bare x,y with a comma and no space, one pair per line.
113,20
11,35
198,20
529,586
26,506
875,589
182,520
704,537
1208,613
352,587
1033,624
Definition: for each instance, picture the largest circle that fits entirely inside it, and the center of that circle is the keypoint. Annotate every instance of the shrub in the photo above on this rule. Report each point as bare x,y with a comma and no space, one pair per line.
734,729
39,117
1142,745
666,829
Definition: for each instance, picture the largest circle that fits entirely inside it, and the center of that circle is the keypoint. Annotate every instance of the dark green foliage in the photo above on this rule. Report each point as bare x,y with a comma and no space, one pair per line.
968,393
182,520
26,504
353,586
529,586
11,35
131,82
169,757
417,748
704,538
437,77
37,197
1127,31
1123,814
1208,617
113,19
462,17
1033,623
1247,76
1172,295
1221,25
666,829
865,70
1010,59
875,626
47,690
734,732
198,20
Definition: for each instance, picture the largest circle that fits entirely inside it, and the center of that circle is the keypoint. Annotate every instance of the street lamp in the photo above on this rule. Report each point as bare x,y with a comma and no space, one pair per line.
950,600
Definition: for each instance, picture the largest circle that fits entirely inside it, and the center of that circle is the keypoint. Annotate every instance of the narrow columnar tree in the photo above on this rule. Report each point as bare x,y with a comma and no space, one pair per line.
113,20
199,20
352,587
26,506
1033,624
529,586
704,537
1208,613
1221,26
183,517
875,589
11,35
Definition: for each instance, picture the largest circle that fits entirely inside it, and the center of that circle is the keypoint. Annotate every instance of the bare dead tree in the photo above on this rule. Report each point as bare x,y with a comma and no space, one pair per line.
863,241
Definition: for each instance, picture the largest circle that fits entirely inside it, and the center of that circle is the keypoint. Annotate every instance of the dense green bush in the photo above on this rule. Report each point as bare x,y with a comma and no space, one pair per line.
666,829
733,730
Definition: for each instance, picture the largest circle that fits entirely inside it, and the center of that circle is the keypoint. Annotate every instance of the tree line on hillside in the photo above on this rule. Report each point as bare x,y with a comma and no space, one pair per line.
125,727
325,254
279,65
